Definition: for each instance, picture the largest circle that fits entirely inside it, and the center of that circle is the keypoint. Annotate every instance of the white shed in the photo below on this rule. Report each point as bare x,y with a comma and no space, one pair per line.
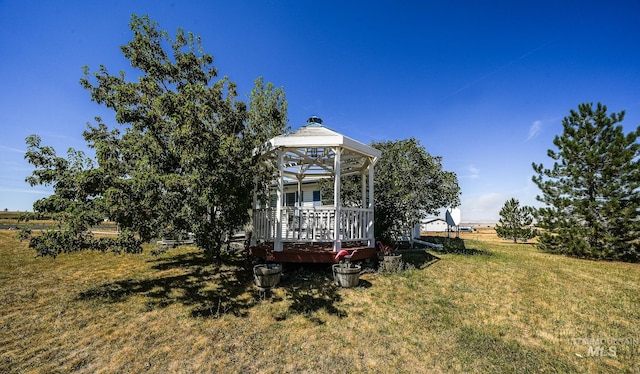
434,225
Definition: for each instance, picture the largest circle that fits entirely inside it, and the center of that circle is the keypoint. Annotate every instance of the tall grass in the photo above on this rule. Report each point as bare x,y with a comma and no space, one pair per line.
499,308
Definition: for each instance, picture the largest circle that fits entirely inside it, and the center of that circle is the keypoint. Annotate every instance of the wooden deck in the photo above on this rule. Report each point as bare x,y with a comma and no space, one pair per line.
309,252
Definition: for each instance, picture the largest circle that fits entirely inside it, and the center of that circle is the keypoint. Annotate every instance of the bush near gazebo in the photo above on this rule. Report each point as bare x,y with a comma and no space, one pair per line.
410,184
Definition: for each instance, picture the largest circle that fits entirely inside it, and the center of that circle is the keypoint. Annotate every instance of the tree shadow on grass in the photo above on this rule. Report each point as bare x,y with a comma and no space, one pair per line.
212,289
309,290
464,252
453,246
418,258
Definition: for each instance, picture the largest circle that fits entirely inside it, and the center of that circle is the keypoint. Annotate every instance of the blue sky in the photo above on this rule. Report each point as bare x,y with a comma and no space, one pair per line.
485,86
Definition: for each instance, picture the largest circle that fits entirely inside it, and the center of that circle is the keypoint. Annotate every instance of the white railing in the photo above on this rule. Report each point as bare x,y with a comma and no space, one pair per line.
313,224
356,223
264,224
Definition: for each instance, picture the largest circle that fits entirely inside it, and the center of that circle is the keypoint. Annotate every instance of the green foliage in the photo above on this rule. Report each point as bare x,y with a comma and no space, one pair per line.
392,264
409,185
24,233
182,160
592,192
515,221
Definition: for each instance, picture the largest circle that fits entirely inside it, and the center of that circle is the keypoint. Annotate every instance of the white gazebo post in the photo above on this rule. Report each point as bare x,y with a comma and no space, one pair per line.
254,232
277,245
337,243
372,236
363,223
363,188
299,208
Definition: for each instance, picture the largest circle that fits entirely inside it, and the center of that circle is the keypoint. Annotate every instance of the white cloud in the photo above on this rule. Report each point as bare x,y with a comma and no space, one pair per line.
535,128
482,208
26,191
11,149
472,172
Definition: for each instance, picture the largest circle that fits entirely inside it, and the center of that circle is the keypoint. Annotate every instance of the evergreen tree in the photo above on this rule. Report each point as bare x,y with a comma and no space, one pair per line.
592,192
184,161
515,221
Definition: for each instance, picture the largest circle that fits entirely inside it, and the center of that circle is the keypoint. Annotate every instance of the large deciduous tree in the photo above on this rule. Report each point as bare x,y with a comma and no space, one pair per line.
592,192
409,185
182,160
515,221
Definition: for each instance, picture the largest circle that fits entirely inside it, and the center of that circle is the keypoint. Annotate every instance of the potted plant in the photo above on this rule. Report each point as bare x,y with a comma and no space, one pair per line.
267,275
345,273
391,260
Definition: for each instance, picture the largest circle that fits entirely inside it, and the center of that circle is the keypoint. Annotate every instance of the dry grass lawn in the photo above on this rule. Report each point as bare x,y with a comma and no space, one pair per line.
497,308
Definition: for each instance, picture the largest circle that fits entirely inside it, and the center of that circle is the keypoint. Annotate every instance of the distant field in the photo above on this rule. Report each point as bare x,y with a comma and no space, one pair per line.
9,215
11,220
498,308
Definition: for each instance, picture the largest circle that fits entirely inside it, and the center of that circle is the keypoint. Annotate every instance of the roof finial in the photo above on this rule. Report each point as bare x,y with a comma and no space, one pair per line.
314,120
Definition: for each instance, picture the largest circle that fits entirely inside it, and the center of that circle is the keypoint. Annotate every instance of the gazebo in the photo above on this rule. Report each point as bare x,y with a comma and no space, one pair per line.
304,231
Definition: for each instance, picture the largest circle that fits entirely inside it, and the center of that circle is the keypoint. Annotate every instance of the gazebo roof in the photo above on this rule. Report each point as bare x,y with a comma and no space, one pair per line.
309,152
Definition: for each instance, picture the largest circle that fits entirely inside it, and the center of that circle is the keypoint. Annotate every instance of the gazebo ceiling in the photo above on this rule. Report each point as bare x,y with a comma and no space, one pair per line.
310,151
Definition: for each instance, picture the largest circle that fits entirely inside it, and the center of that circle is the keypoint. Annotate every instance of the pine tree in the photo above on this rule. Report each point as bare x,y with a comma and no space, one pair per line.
515,221
592,192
